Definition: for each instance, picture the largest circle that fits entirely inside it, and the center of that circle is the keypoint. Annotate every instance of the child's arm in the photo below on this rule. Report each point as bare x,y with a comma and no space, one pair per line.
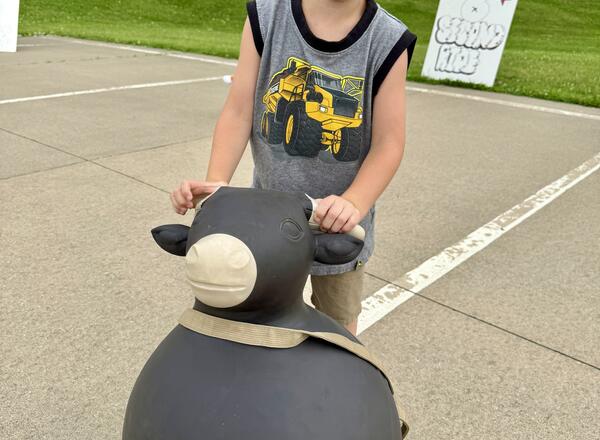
235,123
341,214
231,131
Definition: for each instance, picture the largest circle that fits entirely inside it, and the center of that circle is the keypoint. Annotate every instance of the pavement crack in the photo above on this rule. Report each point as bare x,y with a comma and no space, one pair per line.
155,147
129,177
488,323
42,143
41,171
93,161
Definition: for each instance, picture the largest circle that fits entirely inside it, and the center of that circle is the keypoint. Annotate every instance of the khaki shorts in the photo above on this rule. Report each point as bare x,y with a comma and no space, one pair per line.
339,296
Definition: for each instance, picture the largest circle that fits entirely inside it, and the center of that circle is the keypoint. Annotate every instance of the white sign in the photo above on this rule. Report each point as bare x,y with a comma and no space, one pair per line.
9,23
468,39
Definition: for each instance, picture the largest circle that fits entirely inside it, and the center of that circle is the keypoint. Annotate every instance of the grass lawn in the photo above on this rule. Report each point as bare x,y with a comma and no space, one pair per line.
552,50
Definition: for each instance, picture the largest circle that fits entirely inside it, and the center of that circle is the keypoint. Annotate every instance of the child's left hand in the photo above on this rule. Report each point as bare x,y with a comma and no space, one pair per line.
336,214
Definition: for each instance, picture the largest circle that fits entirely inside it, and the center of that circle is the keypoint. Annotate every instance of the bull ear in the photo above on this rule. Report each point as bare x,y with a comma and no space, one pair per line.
336,248
171,238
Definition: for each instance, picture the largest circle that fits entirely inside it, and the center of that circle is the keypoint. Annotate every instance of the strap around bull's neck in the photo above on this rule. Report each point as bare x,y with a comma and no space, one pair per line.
276,337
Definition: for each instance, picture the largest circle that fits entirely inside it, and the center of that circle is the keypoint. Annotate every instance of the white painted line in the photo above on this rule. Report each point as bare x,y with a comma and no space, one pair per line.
108,45
411,88
203,59
154,52
391,296
506,103
111,89
35,45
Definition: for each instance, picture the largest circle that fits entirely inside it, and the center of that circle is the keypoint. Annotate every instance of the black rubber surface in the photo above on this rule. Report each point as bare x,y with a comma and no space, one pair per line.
197,387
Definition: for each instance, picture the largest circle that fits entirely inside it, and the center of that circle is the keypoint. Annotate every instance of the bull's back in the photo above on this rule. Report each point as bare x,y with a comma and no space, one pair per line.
198,387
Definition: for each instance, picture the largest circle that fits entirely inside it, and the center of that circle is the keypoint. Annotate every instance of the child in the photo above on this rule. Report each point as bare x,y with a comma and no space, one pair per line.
319,90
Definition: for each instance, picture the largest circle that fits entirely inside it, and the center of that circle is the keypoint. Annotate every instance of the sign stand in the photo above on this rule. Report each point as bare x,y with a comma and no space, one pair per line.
468,39
9,24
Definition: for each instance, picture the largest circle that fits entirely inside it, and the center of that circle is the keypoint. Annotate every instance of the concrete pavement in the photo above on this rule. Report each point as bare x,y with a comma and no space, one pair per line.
503,346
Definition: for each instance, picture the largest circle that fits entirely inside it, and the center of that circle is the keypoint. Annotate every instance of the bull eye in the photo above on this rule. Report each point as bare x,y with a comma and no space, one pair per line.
291,229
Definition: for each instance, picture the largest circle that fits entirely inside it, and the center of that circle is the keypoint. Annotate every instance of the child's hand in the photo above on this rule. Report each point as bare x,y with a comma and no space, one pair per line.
336,214
187,195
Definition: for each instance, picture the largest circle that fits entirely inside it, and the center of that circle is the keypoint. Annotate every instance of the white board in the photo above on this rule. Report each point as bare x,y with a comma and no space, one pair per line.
9,24
468,39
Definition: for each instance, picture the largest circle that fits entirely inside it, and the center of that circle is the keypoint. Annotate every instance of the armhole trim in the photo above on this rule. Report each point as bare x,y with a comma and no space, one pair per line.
405,42
255,26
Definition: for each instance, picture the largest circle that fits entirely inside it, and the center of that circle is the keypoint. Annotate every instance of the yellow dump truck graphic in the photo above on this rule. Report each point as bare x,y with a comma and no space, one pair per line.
310,109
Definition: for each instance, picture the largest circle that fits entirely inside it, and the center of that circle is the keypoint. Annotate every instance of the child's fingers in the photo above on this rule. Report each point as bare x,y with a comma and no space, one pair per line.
342,219
199,188
352,222
322,208
203,190
186,190
176,206
332,214
180,199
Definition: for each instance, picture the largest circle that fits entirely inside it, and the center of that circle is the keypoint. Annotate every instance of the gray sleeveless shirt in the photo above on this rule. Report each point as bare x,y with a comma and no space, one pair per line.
312,110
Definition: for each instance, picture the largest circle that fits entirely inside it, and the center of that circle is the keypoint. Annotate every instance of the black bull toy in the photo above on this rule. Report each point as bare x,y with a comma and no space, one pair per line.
250,360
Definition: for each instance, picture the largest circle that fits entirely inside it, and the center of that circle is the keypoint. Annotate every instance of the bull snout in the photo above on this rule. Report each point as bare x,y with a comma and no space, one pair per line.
221,270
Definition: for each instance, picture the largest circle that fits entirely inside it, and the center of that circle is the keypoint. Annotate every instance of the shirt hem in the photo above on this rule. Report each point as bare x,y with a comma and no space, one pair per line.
320,270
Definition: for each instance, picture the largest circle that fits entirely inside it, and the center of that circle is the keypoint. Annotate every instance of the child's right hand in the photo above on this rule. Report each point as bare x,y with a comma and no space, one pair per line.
187,195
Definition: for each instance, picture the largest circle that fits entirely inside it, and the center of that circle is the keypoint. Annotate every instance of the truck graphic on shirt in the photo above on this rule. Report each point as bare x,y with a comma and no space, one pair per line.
310,109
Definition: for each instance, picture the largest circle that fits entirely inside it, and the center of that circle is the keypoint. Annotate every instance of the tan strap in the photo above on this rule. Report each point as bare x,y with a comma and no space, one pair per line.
277,337
242,332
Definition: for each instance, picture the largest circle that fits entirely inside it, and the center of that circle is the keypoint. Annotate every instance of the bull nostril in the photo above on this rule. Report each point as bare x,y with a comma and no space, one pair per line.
239,259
